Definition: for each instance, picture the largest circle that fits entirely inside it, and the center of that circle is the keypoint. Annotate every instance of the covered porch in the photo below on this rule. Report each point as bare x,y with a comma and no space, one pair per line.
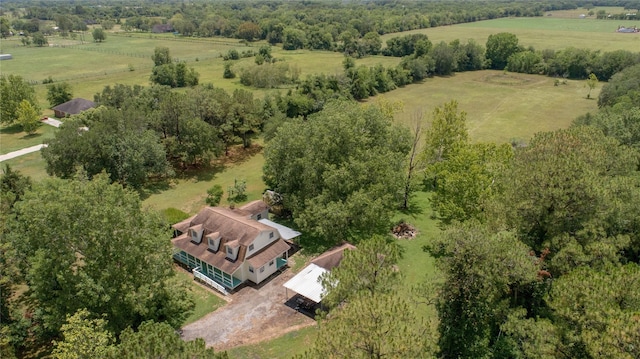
204,271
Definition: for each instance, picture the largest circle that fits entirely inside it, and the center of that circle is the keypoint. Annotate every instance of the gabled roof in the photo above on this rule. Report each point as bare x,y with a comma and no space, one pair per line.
255,207
332,258
75,106
268,253
183,225
231,225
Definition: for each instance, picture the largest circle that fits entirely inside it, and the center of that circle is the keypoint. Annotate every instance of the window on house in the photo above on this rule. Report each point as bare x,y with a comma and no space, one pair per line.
251,269
229,250
251,247
271,235
270,263
261,269
259,216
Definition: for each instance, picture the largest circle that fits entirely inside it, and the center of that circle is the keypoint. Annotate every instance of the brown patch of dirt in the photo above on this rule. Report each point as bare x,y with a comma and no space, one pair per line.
404,230
255,314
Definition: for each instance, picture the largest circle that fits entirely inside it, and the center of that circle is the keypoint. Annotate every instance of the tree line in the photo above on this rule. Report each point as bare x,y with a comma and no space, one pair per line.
539,250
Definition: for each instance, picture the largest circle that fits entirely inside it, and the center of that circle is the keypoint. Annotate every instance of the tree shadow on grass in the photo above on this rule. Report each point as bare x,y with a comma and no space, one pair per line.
11,130
30,136
154,187
412,210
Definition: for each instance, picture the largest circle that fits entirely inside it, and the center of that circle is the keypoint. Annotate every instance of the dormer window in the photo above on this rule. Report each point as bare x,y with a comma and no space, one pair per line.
232,250
259,216
195,234
213,244
270,235
251,247
213,241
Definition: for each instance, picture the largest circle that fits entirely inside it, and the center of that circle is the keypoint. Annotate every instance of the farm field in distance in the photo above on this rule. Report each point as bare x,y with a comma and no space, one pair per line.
541,33
501,107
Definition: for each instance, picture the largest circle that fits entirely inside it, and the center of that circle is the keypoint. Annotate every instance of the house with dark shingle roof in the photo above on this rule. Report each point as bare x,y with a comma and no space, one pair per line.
73,107
227,247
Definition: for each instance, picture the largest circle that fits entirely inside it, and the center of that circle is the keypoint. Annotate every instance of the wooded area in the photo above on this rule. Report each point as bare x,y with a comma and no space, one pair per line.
538,248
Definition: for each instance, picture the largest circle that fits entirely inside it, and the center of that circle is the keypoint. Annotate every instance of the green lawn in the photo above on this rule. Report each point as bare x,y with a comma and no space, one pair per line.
206,301
188,194
32,165
12,137
541,33
500,106
286,346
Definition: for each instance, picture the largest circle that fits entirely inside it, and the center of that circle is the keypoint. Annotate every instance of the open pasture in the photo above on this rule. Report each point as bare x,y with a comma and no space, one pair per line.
541,32
500,106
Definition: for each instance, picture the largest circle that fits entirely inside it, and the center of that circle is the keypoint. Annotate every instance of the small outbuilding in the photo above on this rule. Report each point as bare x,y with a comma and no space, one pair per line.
73,107
308,282
5,57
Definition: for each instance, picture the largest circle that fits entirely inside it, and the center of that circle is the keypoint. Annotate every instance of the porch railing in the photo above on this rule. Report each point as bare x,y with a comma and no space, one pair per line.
208,281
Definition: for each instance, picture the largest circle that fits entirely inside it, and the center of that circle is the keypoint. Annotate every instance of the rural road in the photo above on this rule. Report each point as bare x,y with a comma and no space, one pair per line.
24,151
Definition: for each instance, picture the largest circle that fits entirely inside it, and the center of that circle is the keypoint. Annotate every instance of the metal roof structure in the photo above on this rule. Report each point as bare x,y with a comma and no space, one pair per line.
307,282
285,232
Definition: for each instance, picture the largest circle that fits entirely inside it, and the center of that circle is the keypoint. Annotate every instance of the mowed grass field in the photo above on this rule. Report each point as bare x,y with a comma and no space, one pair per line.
558,31
500,106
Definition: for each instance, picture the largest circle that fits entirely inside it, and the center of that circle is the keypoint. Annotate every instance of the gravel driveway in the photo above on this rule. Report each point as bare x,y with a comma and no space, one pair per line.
254,315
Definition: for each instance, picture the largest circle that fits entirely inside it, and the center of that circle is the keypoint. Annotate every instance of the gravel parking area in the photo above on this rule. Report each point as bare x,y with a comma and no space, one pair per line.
254,314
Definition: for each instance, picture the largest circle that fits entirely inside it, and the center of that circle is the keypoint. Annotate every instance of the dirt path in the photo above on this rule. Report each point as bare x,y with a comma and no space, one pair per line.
254,315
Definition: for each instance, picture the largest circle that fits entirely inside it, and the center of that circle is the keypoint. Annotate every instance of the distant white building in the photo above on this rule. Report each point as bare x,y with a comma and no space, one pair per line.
5,57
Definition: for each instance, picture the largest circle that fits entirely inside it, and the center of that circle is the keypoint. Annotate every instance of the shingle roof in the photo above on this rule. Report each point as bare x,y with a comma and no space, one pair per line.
201,251
75,106
333,257
184,225
268,253
231,225
255,207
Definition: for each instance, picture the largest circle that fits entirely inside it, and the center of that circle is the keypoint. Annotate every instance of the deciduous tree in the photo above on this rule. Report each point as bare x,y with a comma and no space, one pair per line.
341,171
447,132
99,35
83,337
466,180
13,90
160,340
88,244
499,47
28,117
59,93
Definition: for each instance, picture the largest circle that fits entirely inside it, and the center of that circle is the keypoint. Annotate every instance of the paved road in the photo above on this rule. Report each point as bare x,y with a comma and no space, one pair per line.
24,151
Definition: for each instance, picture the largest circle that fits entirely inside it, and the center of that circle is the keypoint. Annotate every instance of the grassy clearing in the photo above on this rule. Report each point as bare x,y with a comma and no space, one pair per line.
541,33
32,165
500,106
286,346
188,194
12,138
206,301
